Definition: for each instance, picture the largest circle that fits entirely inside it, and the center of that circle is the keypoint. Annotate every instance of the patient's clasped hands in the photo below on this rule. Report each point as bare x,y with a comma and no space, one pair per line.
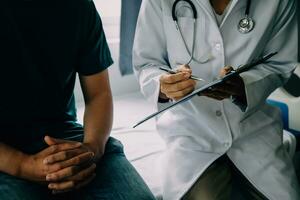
64,165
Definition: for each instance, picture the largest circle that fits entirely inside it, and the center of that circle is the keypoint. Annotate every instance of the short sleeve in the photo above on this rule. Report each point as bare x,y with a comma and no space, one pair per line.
94,55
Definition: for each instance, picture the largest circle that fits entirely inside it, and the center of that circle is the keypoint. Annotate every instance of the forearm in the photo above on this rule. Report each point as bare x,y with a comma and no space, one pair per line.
98,121
10,159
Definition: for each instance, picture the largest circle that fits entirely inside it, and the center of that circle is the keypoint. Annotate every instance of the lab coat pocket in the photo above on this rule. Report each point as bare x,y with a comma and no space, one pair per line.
264,127
180,42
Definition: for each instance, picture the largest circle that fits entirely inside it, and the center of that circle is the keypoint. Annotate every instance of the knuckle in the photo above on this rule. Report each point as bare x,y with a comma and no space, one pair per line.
54,148
55,187
90,155
64,146
70,144
77,160
58,166
167,78
51,159
72,183
65,155
69,172
56,176
45,169
170,79
177,87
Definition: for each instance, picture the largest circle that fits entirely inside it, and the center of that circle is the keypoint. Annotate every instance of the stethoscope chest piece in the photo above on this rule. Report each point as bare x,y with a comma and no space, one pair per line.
246,25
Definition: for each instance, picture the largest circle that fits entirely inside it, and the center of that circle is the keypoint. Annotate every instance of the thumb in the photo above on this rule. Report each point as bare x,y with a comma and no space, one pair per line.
52,141
224,71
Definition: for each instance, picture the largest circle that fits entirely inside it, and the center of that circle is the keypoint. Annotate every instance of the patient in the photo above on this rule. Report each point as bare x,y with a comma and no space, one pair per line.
44,153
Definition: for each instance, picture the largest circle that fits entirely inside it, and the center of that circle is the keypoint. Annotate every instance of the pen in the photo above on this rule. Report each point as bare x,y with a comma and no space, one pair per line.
174,72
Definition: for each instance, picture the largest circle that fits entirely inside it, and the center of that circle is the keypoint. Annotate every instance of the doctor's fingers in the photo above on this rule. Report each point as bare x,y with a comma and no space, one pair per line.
180,94
167,88
225,70
174,78
184,68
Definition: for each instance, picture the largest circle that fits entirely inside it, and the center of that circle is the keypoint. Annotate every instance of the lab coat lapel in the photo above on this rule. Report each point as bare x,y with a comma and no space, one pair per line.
235,5
232,5
205,4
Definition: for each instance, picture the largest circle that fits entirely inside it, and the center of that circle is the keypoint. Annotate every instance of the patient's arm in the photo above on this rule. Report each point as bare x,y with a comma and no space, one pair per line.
98,110
10,159
97,126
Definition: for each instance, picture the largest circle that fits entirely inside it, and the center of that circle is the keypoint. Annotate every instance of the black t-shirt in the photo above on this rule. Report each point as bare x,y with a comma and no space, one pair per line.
43,44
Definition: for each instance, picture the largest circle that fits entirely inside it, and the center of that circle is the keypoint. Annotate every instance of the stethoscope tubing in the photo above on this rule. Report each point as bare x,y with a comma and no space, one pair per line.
245,25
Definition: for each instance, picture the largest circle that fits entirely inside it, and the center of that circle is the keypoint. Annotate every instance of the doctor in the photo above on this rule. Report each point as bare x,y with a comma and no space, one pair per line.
228,133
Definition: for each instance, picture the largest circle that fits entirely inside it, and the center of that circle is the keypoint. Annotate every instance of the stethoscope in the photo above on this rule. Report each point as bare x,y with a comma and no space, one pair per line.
245,25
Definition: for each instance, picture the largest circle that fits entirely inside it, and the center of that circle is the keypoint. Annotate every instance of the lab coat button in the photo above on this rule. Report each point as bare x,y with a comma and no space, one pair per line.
218,46
226,144
218,113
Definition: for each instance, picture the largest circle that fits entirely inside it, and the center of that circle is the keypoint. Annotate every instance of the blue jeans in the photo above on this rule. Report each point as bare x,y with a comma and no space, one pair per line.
116,180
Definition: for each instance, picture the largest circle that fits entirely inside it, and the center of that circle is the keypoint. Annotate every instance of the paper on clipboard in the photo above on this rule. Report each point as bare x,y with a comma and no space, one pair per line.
241,69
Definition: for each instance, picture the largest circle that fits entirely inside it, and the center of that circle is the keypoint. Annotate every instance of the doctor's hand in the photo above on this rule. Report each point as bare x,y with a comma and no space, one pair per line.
77,167
233,88
177,86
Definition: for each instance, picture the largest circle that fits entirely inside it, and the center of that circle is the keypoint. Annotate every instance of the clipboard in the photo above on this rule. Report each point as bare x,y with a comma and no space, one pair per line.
219,81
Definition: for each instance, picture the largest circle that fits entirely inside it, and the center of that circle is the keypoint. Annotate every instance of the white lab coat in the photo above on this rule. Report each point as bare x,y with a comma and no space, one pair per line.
202,129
